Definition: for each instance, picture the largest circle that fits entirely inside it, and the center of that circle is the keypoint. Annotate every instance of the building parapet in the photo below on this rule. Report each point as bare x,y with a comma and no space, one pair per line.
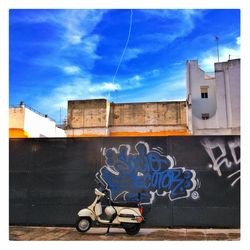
89,117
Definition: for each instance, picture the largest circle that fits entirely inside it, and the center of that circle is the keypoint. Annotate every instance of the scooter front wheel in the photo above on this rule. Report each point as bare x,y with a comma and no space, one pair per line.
132,228
83,224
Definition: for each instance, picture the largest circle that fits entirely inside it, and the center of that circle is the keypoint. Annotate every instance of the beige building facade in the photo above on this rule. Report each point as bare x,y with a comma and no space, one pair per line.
98,117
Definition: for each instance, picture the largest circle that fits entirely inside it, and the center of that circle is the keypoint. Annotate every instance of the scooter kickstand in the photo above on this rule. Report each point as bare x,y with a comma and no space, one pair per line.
108,230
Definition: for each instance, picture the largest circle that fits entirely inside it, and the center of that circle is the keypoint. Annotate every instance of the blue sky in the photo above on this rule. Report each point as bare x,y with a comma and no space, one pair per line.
61,55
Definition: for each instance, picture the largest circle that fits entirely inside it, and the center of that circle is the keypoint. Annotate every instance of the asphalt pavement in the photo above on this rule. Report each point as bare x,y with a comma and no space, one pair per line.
24,233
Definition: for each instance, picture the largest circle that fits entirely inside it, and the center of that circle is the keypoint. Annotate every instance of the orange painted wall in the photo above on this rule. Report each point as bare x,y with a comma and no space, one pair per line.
85,135
159,133
131,134
17,133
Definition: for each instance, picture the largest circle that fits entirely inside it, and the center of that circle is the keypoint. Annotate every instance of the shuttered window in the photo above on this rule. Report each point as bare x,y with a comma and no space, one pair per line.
204,92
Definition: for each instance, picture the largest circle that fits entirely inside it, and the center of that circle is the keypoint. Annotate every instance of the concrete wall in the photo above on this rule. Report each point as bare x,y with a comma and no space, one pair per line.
99,117
228,93
16,123
223,102
144,114
191,181
16,118
87,113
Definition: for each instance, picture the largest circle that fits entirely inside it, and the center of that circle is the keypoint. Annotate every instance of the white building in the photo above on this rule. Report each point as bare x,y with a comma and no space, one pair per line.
25,122
214,101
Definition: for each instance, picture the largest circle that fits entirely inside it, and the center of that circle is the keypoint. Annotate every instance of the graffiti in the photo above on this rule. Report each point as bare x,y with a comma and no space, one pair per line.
195,195
147,172
224,155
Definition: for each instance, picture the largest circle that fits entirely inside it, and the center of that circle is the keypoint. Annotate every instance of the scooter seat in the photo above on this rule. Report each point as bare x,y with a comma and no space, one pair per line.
125,204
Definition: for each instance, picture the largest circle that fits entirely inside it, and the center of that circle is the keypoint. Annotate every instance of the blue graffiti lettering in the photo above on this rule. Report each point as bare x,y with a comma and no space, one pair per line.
147,172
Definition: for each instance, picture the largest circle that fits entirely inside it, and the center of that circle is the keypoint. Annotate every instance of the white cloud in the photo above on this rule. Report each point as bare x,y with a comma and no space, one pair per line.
174,14
151,73
133,82
79,88
89,46
226,53
73,25
210,57
75,39
132,53
79,24
169,88
136,81
104,87
136,78
60,95
179,23
71,70
73,29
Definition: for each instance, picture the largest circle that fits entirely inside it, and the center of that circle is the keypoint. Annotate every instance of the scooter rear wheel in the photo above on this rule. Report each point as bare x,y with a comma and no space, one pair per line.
132,228
83,224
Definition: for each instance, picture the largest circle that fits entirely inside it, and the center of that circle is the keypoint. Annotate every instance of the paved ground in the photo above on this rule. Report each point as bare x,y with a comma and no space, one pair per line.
68,233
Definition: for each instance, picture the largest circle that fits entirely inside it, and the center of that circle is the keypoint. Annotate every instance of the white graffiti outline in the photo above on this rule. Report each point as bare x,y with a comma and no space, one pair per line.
216,165
195,195
233,145
158,149
233,174
153,194
198,183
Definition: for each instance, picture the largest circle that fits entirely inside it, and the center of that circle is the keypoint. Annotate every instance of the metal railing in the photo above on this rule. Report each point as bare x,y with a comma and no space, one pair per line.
32,109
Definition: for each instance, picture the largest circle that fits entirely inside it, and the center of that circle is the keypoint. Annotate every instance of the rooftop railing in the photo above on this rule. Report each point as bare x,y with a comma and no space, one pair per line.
32,109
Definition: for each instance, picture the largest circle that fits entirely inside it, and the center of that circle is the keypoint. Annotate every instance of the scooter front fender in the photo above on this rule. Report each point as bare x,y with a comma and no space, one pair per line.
87,213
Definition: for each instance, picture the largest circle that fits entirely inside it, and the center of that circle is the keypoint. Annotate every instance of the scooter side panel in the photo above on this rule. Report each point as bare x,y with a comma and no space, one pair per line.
133,212
86,213
126,220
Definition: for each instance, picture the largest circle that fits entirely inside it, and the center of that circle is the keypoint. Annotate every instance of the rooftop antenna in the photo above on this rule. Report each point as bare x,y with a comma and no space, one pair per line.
217,44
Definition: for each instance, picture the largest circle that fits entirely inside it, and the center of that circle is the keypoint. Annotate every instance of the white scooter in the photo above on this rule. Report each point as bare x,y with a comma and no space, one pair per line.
129,216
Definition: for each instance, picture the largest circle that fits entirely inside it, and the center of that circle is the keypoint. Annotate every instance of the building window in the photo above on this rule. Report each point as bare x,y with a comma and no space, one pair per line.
204,92
205,116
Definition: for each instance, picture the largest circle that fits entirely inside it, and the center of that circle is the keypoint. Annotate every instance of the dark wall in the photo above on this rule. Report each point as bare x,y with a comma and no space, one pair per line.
189,181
